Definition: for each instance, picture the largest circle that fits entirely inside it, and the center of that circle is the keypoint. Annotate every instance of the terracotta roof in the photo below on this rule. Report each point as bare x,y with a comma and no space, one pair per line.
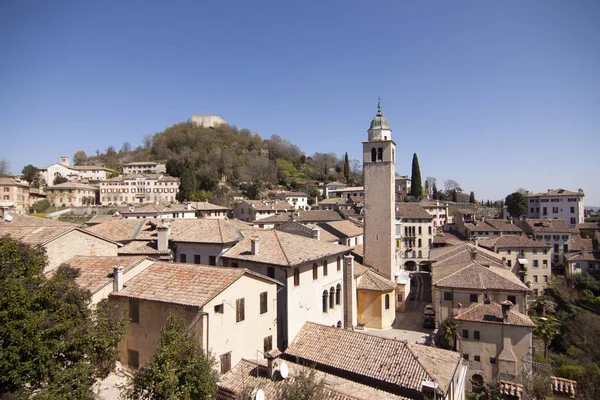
335,183
91,168
578,243
203,231
374,281
206,206
96,271
151,177
119,230
27,220
248,374
584,256
503,225
342,229
142,247
492,314
284,249
589,225
359,250
555,192
268,205
379,359
533,226
12,181
412,211
332,201
71,185
293,194
461,254
155,209
185,284
512,241
35,235
142,163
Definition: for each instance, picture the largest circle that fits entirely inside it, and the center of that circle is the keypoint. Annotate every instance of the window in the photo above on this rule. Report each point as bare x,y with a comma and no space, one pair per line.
134,310
263,302
545,263
492,360
509,263
508,251
332,297
271,272
512,299
544,210
373,155
465,333
268,344
324,267
545,278
379,154
554,210
240,309
535,292
183,258
476,335
296,277
225,362
212,260
219,308
420,231
419,243
339,263
565,247
477,357
473,298
315,272
556,248
466,356
572,210
573,221
429,230
196,259
6,197
387,301
400,298
448,296
338,294
325,301
6,189
235,265
535,264
535,278
133,358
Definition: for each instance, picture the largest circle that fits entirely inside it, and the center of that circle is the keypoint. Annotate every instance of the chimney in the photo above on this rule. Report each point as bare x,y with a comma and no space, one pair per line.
118,278
316,233
473,254
162,238
348,291
506,305
188,206
255,242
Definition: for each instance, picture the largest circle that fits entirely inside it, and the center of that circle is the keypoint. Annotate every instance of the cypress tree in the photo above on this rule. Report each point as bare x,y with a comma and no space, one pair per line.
416,187
435,192
187,183
472,198
346,168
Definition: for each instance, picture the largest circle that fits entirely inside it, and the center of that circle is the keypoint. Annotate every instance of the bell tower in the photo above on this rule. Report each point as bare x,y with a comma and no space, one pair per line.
379,169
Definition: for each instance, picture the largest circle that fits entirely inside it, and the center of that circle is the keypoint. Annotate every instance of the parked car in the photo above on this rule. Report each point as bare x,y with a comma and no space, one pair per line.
429,310
428,322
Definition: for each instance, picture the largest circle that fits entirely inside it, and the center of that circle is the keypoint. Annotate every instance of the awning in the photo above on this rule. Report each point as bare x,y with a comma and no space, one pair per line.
522,261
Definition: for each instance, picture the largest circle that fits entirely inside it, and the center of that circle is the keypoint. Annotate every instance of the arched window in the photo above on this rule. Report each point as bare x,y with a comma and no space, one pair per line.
324,267
331,297
420,242
387,301
296,277
338,294
373,155
324,300
380,154
315,272
420,254
339,324
420,230
339,263
429,230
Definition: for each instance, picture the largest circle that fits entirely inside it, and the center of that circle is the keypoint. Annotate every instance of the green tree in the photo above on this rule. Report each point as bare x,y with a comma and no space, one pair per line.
472,198
52,343
32,175
435,193
546,329
347,168
187,183
59,179
179,370
449,333
516,204
80,158
416,186
304,386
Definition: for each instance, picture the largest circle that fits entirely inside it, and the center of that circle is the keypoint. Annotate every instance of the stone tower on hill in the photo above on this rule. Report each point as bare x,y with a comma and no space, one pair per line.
379,168
207,121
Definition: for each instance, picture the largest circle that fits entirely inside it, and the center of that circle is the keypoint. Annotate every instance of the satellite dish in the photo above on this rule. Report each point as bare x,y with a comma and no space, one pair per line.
259,395
284,370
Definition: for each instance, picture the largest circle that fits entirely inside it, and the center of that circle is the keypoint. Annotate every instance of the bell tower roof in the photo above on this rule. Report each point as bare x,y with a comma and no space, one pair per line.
379,122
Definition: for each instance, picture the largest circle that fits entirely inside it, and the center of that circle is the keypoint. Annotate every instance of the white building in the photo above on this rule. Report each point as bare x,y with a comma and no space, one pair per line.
557,203
252,210
66,170
414,235
71,194
298,200
144,167
139,188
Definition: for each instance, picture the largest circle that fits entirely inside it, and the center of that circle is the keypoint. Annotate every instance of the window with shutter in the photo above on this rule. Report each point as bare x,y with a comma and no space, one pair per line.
263,302
268,344
240,312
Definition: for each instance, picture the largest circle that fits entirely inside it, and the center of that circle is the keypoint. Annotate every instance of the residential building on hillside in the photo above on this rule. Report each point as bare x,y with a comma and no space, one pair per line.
230,310
144,167
496,341
554,232
403,183
347,232
347,192
414,235
78,172
303,217
557,203
528,259
17,191
471,228
312,274
138,189
252,210
200,209
410,370
332,186
72,194
62,241
298,200
585,256
463,275
437,209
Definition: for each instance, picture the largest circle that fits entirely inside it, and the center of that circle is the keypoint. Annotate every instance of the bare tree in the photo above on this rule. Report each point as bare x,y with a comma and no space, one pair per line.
4,167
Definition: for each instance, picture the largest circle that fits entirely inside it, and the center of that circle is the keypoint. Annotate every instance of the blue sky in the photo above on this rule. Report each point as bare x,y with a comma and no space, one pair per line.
496,95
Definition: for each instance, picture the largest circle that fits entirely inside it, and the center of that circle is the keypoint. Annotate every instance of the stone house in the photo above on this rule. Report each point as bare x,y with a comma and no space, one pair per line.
557,203
16,191
414,235
144,167
72,194
298,200
252,210
232,311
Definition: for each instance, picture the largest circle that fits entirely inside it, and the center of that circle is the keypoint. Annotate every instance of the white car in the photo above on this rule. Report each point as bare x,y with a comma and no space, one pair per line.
429,310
